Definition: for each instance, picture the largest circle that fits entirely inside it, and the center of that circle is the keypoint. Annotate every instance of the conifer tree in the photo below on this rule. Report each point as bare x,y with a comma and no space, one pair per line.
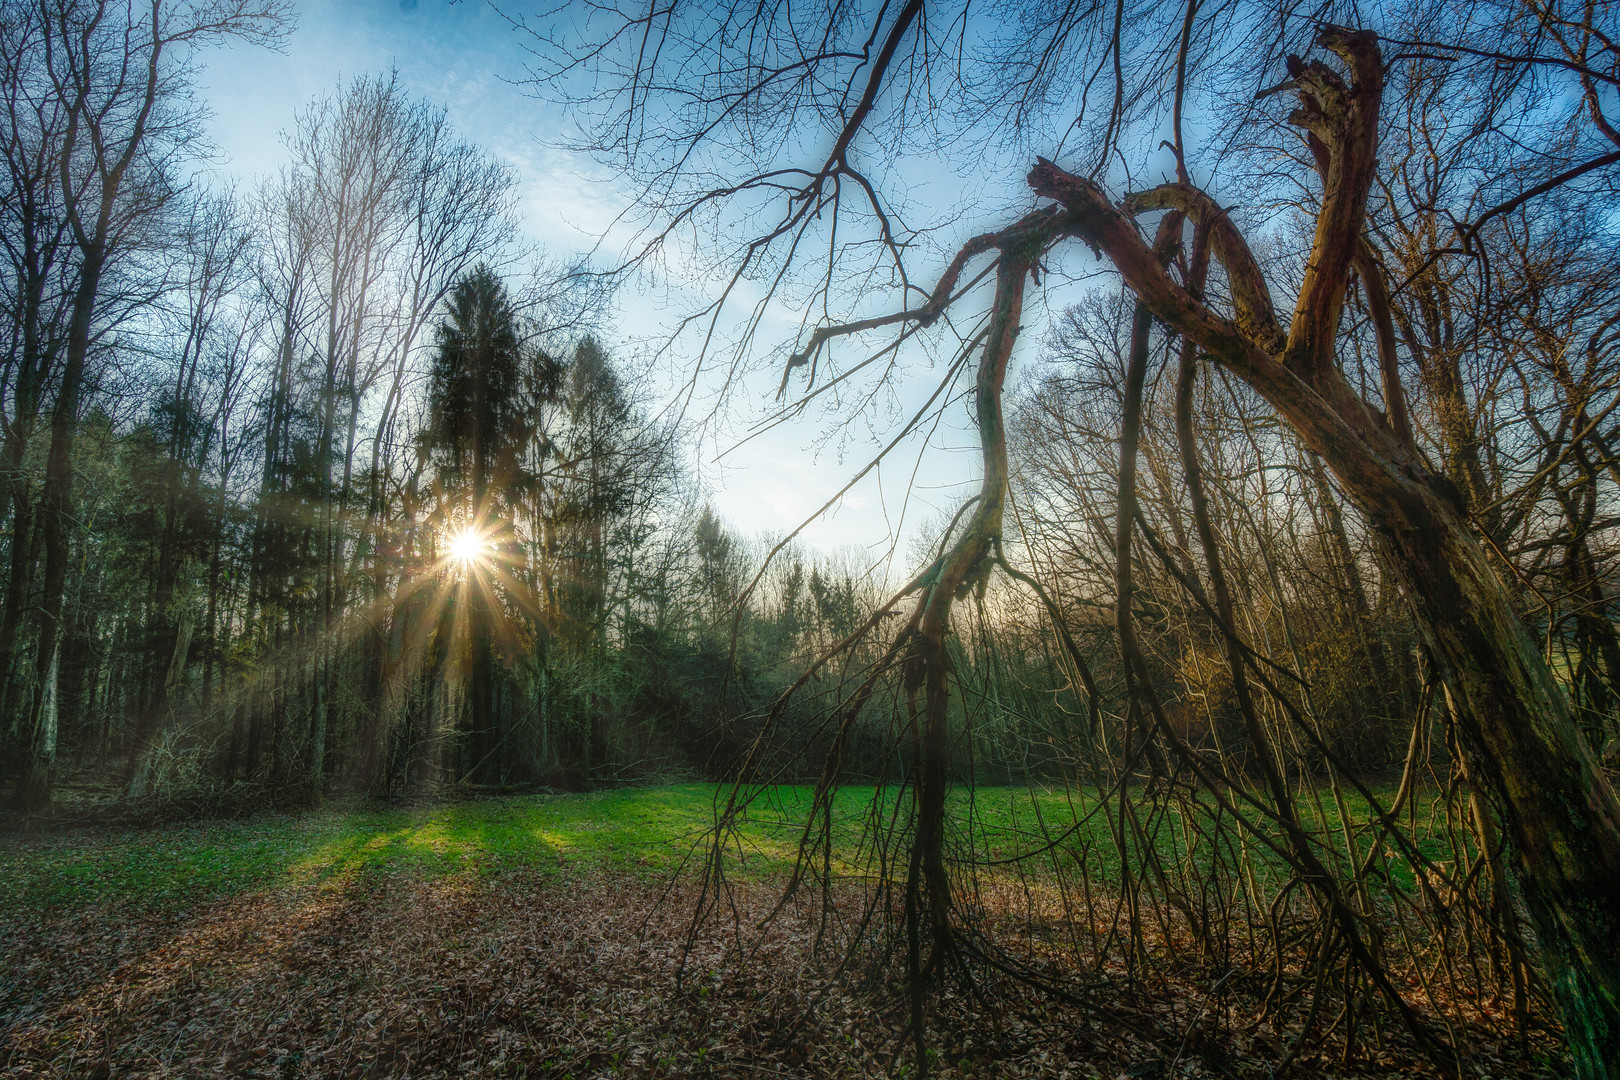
479,434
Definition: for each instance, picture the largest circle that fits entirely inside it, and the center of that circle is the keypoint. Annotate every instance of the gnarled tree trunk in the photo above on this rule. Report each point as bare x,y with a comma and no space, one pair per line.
1521,744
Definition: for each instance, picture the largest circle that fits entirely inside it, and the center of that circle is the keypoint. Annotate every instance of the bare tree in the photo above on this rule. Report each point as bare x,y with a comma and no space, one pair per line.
380,211
703,117
119,74
214,253
39,282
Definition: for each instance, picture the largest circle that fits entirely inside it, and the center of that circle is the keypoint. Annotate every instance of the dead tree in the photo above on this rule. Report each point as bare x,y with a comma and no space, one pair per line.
1521,745
1517,734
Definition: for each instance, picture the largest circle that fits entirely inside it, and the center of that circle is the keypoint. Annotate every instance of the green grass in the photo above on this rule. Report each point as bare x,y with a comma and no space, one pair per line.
643,830
649,827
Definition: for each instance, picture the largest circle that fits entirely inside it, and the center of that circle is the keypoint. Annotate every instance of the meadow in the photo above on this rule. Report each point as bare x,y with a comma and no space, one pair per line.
552,935
648,831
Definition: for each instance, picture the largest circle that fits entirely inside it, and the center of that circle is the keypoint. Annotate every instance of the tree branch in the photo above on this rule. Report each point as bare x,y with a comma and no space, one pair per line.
1342,125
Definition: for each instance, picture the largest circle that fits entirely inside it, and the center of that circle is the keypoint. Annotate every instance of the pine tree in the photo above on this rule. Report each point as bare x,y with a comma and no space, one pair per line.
478,435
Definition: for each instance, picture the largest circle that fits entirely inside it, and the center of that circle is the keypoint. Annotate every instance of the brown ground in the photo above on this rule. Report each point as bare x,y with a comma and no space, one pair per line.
541,977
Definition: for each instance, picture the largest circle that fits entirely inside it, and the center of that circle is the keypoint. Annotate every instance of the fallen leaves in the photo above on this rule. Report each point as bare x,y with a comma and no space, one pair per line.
530,975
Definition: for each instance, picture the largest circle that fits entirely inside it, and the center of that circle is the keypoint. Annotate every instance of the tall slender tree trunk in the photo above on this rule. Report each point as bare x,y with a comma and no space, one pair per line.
56,519
19,577
1381,693
154,728
37,359
211,625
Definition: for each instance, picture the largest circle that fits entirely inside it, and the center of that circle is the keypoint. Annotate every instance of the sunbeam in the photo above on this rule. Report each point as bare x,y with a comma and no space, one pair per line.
469,547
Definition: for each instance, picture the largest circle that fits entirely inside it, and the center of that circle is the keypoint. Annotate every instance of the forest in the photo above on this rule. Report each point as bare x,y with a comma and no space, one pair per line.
383,693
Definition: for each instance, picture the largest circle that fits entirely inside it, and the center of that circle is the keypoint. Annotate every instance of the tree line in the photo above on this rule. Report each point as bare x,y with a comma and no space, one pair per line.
329,484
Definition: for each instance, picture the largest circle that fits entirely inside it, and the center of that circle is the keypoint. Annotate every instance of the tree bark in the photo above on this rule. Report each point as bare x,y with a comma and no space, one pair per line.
18,579
56,518
1519,739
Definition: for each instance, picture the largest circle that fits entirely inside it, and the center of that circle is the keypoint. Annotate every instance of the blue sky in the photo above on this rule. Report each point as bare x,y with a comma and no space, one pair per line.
466,57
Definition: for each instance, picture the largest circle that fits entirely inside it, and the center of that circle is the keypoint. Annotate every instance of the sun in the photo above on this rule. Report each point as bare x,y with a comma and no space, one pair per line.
468,547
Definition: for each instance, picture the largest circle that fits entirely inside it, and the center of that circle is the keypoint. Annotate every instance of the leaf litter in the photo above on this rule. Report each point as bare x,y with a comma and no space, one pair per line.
580,974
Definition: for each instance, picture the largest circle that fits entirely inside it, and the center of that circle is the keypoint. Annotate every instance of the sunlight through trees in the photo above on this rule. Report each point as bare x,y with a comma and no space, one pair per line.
1287,346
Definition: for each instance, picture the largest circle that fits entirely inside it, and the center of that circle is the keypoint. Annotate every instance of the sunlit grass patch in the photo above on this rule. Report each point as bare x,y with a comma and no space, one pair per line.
649,828
641,830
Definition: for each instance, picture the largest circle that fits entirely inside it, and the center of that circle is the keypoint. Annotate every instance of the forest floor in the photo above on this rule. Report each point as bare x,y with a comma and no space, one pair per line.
547,936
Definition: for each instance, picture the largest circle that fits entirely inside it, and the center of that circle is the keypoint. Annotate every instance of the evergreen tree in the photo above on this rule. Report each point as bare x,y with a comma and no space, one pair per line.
479,432
478,421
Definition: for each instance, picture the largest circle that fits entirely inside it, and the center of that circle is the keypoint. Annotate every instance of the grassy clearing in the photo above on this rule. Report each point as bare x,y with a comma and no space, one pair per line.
540,936
650,827
643,830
